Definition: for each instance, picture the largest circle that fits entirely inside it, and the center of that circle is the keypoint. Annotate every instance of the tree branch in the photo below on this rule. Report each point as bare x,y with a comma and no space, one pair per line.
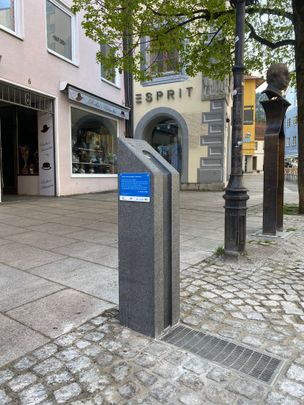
279,12
273,45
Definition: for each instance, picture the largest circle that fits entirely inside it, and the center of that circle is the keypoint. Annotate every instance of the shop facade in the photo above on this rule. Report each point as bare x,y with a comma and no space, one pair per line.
187,120
60,111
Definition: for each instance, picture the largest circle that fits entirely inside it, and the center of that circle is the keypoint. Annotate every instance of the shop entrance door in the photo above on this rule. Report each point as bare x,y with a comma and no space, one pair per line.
8,149
165,139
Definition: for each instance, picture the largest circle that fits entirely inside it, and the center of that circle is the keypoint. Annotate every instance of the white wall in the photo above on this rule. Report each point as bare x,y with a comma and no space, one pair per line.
27,63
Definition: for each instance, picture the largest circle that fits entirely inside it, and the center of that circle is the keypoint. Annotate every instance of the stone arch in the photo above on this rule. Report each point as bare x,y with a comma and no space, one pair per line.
149,121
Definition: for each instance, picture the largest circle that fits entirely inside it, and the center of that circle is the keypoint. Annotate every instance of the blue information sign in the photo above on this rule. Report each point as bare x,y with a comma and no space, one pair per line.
134,187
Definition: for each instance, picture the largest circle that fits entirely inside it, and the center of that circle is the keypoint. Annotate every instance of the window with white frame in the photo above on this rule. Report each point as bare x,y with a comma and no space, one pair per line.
110,75
94,143
164,62
294,140
287,142
61,25
10,16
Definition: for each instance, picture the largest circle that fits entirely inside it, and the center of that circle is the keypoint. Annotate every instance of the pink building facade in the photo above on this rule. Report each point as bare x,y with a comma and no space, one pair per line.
60,112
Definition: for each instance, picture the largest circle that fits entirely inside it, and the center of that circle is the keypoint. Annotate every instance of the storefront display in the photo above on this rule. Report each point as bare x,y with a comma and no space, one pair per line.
94,141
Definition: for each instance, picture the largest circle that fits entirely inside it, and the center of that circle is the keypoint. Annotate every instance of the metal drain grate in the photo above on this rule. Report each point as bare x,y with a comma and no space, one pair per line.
227,354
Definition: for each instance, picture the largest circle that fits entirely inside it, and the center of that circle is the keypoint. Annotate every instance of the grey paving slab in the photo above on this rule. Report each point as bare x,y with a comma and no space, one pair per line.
60,312
193,255
20,221
33,213
55,229
92,252
41,240
84,276
102,226
90,235
71,221
24,257
16,340
18,287
6,230
4,241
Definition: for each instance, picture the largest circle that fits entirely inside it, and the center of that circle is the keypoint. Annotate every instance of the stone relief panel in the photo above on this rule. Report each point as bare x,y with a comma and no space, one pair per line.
215,89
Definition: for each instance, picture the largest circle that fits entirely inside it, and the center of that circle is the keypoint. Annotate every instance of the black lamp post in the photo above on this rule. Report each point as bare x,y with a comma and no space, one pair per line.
236,193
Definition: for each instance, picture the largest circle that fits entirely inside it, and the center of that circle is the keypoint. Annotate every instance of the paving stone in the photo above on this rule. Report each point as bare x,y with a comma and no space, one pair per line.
105,360
5,375
190,398
33,395
58,378
192,320
25,363
275,398
156,349
197,365
163,393
291,308
146,378
94,336
145,361
128,390
121,371
219,396
22,381
296,373
48,366
99,320
191,380
68,354
45,351
81,344
92,350
219,375
66,340
249,389
93,379
66,393
252,341
4,399
167,370
78,364
292,388
280,351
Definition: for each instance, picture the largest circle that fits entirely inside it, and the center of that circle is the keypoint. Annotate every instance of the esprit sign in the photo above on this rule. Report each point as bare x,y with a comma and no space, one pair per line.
161,95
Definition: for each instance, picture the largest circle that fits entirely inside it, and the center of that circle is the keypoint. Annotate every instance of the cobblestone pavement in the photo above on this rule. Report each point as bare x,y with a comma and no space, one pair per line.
257,301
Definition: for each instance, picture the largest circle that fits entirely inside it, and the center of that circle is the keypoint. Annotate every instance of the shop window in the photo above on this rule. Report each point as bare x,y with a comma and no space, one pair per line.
94,143
248,116
110,75
10,16
164,62
60,30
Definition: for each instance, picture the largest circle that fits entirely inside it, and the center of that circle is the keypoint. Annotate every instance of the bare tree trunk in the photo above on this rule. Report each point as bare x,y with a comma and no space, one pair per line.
298,11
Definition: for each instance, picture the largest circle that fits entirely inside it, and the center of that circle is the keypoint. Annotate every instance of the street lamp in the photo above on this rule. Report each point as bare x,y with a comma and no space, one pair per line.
236,193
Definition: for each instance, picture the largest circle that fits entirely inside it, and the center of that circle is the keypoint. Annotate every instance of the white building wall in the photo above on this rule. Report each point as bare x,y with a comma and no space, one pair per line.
27,63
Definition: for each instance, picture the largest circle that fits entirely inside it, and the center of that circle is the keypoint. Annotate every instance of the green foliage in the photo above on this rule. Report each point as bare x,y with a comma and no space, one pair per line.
201,30
219,251
290,209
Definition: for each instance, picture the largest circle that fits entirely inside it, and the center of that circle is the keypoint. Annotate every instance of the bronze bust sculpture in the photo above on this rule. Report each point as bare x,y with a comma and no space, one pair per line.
277,79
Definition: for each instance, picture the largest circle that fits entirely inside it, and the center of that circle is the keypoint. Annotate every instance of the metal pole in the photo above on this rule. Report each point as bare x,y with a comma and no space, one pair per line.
235,193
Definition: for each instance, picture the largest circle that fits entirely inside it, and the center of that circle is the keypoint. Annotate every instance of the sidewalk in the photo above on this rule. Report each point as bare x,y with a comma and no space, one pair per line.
60,341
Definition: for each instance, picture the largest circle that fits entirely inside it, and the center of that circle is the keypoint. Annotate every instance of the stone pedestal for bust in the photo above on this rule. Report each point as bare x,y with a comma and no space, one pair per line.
274,144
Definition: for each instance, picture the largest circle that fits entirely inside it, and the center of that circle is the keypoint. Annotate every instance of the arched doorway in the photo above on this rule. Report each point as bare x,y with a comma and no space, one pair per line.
166,130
